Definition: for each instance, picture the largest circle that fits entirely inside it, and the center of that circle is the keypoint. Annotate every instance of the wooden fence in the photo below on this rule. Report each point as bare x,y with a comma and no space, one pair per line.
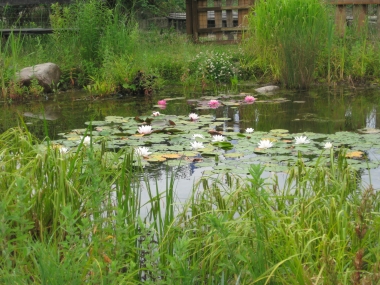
359,13
220,20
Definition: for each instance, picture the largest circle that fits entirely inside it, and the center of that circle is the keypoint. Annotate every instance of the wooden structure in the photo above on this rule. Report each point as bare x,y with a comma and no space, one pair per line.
359,13
224,28
220,20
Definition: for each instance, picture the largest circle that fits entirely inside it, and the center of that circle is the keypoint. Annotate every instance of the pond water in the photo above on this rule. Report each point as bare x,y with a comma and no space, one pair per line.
321,111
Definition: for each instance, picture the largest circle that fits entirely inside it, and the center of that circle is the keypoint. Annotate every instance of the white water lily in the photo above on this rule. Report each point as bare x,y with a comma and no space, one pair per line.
193,117
63,150
301,140
249,130
328,145
142,151
218,138
265,144
155,114
196,145
86,140
197,136
145,129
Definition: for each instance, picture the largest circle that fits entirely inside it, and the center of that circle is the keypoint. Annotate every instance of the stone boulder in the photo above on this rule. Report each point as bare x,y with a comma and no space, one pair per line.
267,89
47,75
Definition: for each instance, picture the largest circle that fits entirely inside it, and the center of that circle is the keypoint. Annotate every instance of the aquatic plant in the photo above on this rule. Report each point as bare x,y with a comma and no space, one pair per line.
214,103
142,151
249,130
194,136
196,145
301,140
328,145
193,117
155,114
145,129
249,99
265,144
218,138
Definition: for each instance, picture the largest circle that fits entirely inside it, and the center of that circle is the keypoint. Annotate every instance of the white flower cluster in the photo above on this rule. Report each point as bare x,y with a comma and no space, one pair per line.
213,65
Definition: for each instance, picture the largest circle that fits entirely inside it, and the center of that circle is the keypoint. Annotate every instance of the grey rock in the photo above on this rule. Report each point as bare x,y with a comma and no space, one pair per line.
47,74
267,89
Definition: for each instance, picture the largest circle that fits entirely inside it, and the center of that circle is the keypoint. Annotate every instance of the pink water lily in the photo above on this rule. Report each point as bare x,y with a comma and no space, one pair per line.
249,99
214,104
162,102
193,117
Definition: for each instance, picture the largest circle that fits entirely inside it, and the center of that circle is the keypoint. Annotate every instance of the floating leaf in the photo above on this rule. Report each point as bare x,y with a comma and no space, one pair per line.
354,154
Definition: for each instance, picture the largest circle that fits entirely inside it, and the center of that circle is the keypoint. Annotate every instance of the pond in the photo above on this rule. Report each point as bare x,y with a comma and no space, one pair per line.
325,114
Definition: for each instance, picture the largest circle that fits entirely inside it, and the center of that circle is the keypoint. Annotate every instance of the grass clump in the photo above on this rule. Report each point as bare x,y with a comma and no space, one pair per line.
288,37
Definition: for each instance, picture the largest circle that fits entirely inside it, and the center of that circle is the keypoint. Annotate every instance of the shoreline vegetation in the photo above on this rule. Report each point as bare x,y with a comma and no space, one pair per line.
79,217
106,52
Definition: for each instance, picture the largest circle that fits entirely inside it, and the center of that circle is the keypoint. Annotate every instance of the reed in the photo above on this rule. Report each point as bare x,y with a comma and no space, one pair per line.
288,36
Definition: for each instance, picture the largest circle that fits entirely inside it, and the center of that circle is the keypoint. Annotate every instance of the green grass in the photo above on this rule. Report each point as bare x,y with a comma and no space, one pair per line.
78,218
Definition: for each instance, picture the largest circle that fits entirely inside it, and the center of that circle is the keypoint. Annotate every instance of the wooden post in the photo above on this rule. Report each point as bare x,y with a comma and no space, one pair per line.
360,15
189,18
340,19
202,17
229,19
243,14
378,20
194,13
218,20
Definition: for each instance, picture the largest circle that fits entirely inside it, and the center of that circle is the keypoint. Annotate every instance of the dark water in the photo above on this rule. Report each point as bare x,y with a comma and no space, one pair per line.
319,110
323,110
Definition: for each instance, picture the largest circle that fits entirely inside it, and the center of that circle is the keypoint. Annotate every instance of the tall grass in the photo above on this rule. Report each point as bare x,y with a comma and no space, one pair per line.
288,36
77,218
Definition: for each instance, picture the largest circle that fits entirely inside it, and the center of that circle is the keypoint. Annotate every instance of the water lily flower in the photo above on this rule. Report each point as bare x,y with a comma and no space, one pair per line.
155,114
145,129
249,99
301,140
86,140
328,145
218,138
193,117
142,151
265,144
63,150
162,102
197,136
214,104
249,130
196,145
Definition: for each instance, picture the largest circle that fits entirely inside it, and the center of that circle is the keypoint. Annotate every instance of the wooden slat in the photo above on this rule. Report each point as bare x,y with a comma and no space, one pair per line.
340,19
202,17
243,14
218,19
224,29
240,7
358,2
360,15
